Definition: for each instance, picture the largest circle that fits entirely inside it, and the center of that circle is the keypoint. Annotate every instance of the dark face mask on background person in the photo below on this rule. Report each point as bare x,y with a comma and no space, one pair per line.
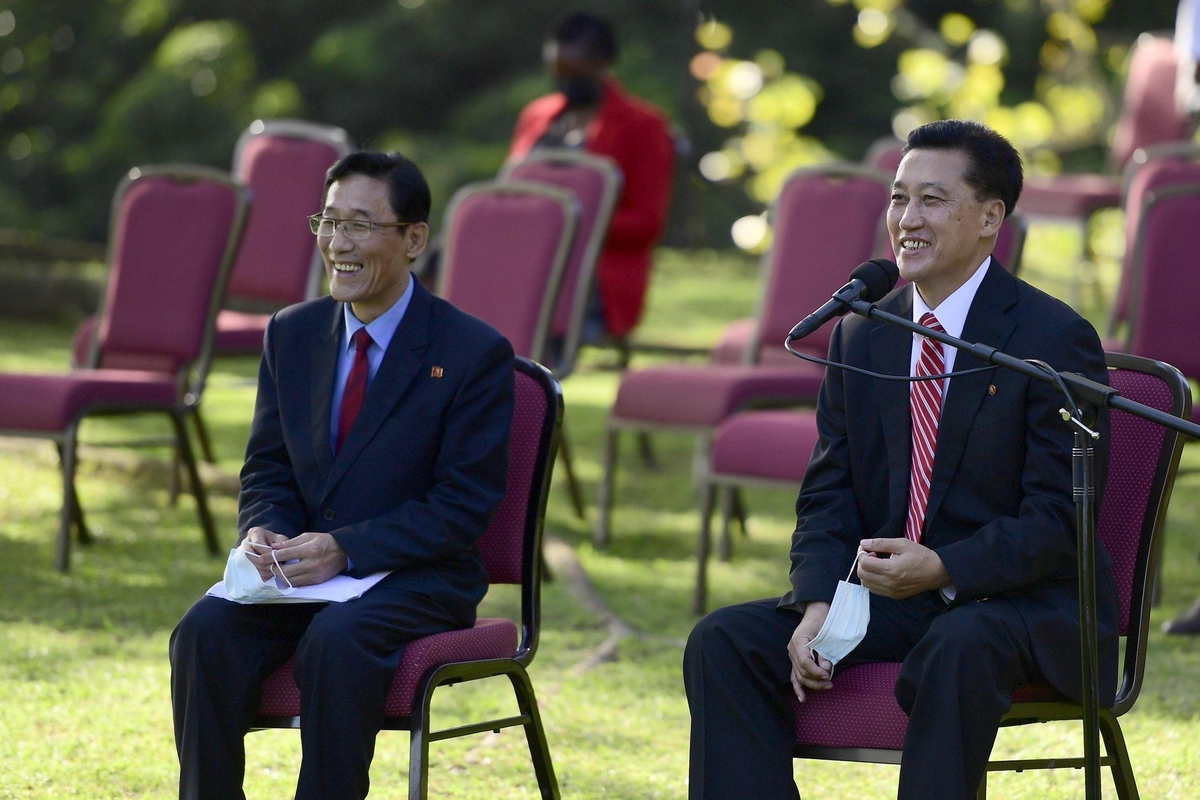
580,91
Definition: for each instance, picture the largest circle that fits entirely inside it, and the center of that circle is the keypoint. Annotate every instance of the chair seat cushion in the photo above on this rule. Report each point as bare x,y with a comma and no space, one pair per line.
489,639
695,396
1075,196
860,710
240,333
775,444
50,402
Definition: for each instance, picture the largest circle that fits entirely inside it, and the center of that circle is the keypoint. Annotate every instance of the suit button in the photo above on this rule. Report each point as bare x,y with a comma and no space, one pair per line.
329,515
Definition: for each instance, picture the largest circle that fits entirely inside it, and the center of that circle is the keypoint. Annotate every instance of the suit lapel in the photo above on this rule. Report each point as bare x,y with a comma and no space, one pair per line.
891,353
323,376
401,364
988,323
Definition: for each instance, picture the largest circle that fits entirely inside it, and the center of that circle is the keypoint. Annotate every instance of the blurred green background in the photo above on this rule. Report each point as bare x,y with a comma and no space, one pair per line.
89,88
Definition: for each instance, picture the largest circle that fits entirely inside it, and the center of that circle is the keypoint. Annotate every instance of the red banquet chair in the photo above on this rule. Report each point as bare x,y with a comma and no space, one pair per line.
1151,172
510,549
284,163
827,220
1148,117
507,246
595,181
859,719
173,237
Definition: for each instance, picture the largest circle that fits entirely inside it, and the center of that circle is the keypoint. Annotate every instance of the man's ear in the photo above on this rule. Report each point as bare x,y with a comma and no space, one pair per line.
416,236
993,217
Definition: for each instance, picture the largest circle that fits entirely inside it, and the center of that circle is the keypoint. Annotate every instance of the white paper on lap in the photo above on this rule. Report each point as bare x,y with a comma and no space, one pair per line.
337,589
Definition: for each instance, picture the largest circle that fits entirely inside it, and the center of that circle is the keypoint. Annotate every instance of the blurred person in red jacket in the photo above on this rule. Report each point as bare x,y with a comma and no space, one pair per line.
592,111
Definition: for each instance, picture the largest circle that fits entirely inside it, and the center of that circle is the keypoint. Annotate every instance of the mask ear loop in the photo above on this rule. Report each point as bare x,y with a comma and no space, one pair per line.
275,558
854,564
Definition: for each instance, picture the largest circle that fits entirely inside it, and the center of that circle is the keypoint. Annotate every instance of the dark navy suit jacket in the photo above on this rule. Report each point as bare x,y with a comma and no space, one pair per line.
1000,515
424,468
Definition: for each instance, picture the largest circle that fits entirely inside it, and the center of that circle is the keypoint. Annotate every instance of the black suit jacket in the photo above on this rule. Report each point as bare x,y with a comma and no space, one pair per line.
1000,515
424,468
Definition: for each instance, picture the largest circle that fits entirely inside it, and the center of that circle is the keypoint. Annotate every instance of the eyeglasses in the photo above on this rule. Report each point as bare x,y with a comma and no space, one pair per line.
352,228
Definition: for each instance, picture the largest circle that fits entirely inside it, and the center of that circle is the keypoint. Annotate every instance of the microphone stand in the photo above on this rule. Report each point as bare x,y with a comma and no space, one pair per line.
1093,396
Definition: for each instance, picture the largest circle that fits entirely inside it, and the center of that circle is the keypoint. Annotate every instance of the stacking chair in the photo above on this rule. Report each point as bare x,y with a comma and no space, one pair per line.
1150,172
1148,117
510,549
506,247
173,237
827,220
858,719
284,163
595,182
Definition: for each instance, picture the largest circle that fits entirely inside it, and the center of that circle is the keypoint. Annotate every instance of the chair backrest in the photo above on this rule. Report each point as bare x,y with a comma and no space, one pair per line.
885,155
595,181
1010,242
506,245
174,232
1163,293
1143,461
284,163
827,220
511,546
1149,171
1149,115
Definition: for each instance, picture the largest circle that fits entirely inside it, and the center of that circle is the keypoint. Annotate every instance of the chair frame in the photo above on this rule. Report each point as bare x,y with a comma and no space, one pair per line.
190,378
585,286
529,717
1134,660
570,209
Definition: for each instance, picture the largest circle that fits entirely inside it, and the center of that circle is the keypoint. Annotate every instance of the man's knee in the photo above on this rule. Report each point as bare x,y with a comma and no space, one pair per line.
711,635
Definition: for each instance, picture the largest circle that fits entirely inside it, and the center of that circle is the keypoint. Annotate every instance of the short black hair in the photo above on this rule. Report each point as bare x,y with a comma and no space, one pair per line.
589,32
993,164
408,193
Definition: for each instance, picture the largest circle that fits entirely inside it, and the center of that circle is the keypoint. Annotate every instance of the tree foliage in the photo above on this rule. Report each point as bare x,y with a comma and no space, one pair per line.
90,88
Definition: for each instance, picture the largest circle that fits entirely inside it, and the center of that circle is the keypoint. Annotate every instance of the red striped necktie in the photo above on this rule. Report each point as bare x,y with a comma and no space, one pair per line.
356,387
926,399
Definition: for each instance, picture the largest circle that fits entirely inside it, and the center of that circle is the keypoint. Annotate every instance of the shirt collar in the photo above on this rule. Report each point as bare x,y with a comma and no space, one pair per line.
952,312
383,327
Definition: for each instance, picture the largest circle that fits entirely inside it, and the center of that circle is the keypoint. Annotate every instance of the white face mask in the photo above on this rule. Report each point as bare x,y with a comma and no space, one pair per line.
846,623
242,582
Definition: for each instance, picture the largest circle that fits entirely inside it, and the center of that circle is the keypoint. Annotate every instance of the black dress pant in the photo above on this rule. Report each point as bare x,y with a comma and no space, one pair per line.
960,665
346,657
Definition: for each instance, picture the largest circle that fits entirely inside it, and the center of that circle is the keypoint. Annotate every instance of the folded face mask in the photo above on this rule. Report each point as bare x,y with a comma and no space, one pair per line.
846,623
242,582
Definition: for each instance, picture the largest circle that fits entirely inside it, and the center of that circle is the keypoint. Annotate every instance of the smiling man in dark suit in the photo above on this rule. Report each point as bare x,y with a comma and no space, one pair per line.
958,492
379,442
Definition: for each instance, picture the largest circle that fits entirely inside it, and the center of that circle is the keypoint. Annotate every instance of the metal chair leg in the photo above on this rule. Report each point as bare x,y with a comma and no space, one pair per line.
703,545
535,735
189,461
62,551
604,498
564,452
206,450
646,451
1122,767
82,534
728,495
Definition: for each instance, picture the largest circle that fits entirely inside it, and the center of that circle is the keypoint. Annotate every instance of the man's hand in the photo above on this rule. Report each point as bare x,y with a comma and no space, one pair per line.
809,672
911,569
318,557
257,545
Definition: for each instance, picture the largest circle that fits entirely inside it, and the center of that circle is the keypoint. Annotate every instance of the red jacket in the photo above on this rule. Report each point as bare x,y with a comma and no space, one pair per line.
637,136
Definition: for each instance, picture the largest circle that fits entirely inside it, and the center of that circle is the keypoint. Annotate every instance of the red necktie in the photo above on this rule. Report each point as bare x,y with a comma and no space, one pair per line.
926,399
356,387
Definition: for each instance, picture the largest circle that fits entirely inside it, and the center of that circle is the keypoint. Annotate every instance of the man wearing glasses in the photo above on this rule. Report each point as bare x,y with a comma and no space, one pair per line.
379,443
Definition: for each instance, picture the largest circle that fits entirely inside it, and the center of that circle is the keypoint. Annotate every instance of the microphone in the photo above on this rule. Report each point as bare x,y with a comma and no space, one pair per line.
869,281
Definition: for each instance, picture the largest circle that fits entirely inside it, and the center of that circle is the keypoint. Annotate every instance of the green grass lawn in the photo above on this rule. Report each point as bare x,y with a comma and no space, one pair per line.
84,695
